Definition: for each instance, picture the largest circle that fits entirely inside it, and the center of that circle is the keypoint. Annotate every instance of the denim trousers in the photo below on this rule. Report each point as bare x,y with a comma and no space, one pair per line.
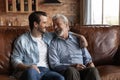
45,74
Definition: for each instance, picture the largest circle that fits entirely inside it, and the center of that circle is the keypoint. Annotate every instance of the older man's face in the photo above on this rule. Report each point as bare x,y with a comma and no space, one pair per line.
60,27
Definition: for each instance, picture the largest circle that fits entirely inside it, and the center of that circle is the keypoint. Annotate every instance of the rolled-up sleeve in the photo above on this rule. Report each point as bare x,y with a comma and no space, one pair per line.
86,56
17,54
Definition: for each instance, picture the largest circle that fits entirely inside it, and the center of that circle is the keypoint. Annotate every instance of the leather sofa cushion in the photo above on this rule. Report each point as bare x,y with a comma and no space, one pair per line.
6,77
109,72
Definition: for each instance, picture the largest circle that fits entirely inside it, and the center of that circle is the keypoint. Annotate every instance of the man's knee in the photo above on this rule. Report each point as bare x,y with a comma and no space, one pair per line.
31,71
29,74
93,70
72,74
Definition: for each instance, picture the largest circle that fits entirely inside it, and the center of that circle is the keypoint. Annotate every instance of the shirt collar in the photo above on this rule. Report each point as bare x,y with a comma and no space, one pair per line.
36,38
70,37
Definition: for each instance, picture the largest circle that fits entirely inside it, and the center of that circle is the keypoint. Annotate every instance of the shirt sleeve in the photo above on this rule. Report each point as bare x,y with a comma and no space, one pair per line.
54,60
86,56
47,37
17,54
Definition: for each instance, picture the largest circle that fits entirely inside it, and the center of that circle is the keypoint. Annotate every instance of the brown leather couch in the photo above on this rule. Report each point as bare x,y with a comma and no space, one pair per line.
7,37
103,44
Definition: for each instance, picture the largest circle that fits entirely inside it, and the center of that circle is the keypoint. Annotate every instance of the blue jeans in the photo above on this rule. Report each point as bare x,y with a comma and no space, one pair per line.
45,74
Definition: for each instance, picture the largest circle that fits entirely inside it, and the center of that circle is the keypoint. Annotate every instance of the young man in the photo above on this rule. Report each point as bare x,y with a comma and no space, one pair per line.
30,51
65,55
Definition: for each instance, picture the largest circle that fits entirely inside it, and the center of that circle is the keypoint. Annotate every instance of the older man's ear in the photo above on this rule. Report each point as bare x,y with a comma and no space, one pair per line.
82,40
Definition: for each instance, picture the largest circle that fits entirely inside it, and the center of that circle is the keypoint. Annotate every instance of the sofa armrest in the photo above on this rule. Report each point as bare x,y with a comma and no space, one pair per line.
116,57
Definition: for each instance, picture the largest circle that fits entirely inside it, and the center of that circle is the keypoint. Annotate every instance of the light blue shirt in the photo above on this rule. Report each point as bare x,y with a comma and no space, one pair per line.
63,53
26,49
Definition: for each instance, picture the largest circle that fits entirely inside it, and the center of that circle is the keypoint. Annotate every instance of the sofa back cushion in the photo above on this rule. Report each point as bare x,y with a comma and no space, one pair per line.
7,37
102,43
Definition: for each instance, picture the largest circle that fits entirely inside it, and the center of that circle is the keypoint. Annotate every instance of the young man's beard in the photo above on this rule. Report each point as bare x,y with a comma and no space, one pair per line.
42,30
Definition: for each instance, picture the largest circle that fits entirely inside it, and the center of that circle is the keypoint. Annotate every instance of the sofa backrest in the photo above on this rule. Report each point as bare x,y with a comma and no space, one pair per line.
7,37
103,42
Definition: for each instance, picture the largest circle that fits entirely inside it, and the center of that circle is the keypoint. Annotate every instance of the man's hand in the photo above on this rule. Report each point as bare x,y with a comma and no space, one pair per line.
82,40
22,67
78,66
35,67
90,64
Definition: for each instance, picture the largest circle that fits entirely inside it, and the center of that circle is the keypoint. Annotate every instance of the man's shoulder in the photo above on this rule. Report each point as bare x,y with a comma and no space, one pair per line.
48,36
56,40
23,37
71,34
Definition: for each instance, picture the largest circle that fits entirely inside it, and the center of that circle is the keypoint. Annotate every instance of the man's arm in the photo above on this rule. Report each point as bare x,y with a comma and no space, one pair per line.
17,57
91,64
22,67
82,40
54,60
17,54
87,59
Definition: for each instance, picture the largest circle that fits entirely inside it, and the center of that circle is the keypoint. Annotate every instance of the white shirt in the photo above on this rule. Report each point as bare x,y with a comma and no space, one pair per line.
42,48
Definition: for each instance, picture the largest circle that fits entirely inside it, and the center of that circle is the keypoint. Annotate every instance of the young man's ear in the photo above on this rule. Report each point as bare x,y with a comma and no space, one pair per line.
35,24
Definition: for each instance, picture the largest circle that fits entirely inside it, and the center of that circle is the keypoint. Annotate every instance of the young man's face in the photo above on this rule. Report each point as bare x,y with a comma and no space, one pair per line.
42,25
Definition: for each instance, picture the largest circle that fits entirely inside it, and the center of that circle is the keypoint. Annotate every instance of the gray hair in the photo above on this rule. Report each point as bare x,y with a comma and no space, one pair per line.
57,16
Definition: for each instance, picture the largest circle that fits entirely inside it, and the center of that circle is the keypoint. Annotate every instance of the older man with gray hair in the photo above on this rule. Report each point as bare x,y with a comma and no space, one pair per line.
67,57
